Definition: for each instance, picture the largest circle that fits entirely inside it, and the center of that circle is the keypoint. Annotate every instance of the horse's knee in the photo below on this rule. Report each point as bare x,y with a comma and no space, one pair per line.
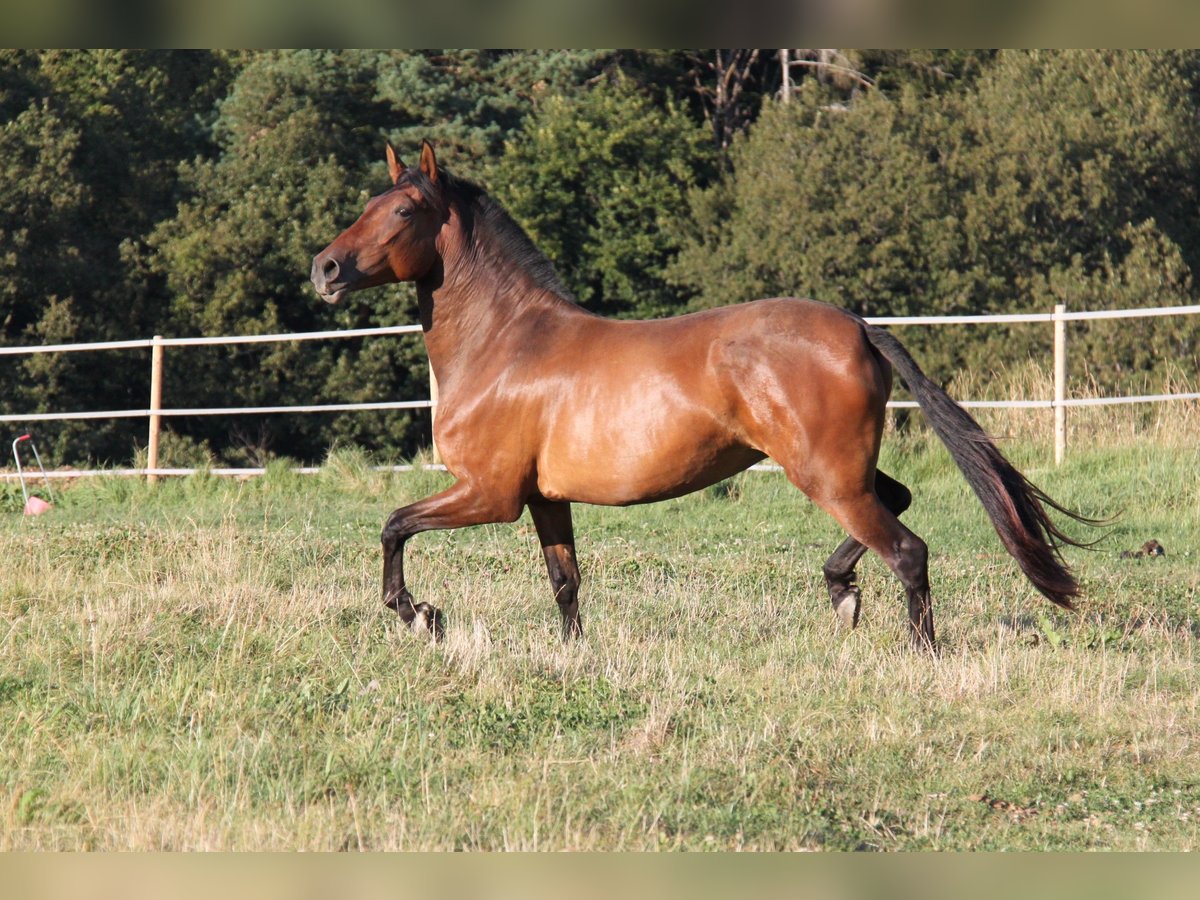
564,574
563,582
395,530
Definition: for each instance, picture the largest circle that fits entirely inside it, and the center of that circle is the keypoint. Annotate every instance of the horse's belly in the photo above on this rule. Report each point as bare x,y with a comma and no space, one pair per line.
644,475
658,425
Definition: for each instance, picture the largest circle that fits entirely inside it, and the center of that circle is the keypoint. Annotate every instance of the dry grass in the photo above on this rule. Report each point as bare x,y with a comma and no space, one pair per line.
1168,424
207,666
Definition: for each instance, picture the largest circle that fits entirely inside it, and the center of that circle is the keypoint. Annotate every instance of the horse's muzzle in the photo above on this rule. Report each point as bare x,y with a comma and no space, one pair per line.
324,275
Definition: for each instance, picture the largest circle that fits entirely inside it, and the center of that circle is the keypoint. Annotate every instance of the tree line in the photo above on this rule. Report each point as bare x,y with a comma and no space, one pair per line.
185,193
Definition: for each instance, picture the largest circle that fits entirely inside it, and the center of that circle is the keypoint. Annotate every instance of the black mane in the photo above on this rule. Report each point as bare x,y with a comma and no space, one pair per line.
486,220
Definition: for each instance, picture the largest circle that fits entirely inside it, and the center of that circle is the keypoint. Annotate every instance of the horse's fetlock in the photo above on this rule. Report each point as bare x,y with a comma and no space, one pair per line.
401,603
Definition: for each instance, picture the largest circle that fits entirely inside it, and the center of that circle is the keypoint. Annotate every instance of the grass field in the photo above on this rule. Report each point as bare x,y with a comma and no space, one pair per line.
206,665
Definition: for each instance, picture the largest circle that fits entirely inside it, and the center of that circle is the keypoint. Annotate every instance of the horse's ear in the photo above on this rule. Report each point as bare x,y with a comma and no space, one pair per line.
429,161
396,165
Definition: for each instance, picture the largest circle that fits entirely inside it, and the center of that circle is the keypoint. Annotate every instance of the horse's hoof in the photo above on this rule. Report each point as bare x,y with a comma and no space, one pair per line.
847,607
427,620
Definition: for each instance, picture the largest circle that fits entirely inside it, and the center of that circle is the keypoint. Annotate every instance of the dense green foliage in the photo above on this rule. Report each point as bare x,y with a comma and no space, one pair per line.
600,180
184,193
1055,178
89,147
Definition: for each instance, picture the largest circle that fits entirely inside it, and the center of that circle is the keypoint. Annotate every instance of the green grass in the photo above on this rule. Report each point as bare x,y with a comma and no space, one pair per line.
207,665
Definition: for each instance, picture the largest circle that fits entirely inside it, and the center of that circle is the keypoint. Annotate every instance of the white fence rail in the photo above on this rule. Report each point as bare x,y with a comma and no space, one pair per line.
155,412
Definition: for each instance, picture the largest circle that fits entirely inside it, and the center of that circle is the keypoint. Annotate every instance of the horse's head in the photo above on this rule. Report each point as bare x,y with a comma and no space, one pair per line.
393,240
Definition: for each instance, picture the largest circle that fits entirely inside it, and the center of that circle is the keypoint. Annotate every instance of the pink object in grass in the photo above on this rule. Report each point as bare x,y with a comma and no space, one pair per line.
35,506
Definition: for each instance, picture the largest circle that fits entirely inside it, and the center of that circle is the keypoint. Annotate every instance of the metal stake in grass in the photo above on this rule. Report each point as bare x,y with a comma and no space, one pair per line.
34,505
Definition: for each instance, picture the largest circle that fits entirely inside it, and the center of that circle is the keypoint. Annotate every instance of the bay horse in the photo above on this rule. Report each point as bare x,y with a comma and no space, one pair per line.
544,404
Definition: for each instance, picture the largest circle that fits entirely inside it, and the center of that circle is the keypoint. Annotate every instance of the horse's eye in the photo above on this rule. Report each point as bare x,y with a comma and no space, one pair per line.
404,212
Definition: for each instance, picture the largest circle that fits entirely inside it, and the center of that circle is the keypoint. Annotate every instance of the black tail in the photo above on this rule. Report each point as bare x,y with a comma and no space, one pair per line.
1015,506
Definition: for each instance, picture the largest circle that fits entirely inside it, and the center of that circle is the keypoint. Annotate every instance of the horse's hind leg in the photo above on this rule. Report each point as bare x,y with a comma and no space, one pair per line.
855,499
839,568
557,537
872,524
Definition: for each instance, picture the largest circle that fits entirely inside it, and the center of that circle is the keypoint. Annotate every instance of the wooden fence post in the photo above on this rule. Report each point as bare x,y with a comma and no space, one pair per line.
1060,383
156,367
433,408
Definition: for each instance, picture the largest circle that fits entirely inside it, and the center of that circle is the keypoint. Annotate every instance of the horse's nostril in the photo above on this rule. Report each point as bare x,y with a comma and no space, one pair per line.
330,270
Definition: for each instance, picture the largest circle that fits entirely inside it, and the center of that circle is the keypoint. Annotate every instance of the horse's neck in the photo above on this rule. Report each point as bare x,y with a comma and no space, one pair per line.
487,300
475,313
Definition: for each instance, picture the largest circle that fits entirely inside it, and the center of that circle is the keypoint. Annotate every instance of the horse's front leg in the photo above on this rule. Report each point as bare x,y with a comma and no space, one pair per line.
460,505
557,536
